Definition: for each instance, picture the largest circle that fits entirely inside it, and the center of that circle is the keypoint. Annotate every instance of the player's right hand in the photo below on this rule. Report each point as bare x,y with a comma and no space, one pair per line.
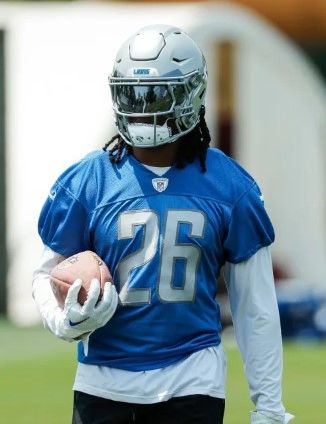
78,321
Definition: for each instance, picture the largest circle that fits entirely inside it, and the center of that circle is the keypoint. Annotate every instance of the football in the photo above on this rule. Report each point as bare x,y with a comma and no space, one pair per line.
84,265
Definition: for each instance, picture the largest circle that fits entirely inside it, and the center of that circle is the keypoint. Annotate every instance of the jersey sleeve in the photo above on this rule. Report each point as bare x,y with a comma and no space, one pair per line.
249,227
62,222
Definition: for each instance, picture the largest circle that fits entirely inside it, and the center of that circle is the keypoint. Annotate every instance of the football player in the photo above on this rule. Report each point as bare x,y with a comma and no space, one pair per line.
165,212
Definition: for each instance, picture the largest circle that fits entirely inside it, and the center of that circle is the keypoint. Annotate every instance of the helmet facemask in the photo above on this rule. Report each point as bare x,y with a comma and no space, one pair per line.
151,111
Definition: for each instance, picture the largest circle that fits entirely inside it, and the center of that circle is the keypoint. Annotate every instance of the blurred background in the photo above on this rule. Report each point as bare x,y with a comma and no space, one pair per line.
266,107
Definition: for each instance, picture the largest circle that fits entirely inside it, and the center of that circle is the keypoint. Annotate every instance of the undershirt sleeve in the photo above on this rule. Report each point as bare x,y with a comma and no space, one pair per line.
257,328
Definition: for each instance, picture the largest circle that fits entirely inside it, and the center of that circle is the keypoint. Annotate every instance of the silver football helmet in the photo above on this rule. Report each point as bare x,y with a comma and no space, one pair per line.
158,86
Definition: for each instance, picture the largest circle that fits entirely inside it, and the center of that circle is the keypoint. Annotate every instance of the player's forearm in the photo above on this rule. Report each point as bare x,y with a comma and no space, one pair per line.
49,310
44,298
262,356
42,291
256,322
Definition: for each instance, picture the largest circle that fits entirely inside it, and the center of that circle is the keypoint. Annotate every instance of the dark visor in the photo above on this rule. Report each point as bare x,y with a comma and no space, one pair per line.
148,98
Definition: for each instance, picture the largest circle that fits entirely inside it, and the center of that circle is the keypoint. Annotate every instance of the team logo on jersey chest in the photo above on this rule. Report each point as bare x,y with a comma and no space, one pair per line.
160,184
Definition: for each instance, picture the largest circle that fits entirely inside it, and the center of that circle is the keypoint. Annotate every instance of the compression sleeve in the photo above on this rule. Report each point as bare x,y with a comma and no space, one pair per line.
257,327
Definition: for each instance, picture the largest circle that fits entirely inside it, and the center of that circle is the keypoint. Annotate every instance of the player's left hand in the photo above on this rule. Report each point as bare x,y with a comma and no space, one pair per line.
259,418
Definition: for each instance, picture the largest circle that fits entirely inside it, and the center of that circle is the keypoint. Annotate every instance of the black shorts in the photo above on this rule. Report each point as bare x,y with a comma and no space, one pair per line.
195,409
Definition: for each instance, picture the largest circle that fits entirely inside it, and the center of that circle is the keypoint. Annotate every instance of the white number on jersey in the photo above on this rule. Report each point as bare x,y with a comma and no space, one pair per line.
171,250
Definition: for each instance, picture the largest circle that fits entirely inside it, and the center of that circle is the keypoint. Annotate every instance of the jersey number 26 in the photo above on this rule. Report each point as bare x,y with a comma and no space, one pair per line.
171,250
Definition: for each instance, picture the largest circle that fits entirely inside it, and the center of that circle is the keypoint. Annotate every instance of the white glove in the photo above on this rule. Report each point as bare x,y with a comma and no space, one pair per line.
74,321
80,320
259,418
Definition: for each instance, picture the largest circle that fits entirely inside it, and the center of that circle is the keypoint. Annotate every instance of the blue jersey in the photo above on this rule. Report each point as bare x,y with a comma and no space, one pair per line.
164,241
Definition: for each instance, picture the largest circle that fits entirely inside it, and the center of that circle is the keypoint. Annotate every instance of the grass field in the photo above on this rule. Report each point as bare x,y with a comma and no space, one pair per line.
37,371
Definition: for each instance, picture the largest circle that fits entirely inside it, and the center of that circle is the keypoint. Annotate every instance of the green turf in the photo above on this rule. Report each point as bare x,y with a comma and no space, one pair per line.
37,372
304,385
36,375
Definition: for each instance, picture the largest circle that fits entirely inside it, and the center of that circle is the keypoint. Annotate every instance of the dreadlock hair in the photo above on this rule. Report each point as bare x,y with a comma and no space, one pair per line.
190,146
115,153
